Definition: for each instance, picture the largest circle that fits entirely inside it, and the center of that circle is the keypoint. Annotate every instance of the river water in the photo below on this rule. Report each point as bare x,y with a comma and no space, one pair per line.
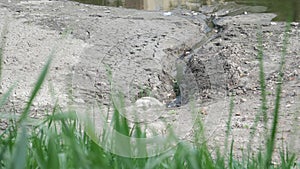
285,9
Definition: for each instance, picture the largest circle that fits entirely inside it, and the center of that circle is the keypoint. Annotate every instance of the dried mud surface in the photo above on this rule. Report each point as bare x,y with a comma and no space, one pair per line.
143,50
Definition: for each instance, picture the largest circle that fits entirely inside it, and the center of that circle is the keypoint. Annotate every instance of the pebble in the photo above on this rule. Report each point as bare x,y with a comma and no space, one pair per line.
167,13
239,92
243,100
79,100
194,13
187,14
295,23
238,124
204,111
294,93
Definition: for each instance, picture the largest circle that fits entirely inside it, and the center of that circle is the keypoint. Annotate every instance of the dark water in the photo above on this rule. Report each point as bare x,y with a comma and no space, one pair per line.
285,9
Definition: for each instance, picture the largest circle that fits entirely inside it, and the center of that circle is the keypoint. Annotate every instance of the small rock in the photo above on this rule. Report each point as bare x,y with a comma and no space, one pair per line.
294,93
274,163
187,14
79,100
243,100
238,114
194,13
295,73
204,111
34,104
167,13
239,92
288,105
295,23
164,35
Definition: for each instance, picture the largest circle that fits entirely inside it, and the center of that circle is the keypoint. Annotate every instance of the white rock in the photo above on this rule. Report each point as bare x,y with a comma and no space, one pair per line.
273,23
295,23
167,13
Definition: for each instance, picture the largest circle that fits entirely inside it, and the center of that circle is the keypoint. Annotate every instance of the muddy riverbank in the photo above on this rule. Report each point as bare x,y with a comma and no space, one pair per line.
146,51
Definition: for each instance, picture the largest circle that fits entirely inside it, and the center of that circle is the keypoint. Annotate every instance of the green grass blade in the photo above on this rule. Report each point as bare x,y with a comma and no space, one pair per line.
262,82
38,151
228,126
40,80
37,87
272,137
6,95
161,160
53,160
20,151
231,155
287,161
180,156
141,146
